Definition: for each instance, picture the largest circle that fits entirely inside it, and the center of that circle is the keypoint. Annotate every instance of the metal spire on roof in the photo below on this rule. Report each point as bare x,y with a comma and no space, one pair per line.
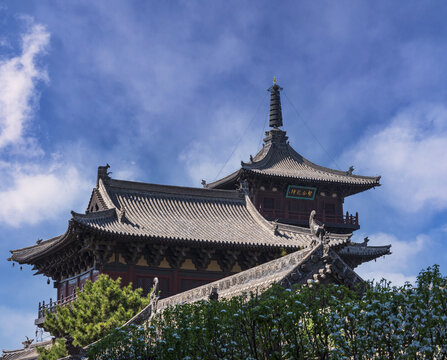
275,105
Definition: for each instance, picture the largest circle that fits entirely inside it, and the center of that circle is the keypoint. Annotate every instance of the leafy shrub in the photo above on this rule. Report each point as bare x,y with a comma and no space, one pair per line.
330,322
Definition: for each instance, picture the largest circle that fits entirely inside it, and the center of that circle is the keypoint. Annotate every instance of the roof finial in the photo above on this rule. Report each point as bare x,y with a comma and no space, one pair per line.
275,120
103,173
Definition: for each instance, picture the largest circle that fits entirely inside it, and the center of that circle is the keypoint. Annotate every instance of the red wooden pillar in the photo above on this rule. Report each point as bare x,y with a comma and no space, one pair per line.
175,282
132,275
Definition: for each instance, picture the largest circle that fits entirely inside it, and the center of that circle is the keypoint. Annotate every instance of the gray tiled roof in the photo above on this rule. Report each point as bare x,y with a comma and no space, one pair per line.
355,249
23,254
180,214
29,353
278,159
287,163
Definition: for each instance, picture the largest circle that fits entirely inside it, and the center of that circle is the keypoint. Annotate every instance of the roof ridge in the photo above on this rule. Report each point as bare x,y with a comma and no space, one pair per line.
101,214
102,189
355,244
260,162
213,184
293,228
175,190
257,216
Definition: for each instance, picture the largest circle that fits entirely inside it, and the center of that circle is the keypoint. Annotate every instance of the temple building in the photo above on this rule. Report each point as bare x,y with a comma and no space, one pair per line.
259,225
286,187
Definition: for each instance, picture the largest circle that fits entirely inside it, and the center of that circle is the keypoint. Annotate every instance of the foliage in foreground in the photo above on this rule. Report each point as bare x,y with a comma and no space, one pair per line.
100,307
329,322
56,351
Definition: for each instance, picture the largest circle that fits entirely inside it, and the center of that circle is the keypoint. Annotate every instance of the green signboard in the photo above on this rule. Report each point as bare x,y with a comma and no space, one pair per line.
301,192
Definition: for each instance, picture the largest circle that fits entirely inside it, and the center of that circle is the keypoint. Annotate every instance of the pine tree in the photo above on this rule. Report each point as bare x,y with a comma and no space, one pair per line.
100,307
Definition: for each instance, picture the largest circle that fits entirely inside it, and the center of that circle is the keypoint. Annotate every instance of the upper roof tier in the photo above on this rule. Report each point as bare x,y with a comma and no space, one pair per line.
278,159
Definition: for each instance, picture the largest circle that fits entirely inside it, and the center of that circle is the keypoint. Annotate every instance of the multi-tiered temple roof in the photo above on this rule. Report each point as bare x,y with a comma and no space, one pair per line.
142,215
278,159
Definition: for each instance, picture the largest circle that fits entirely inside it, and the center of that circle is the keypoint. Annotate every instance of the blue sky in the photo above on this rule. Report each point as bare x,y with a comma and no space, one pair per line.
165,92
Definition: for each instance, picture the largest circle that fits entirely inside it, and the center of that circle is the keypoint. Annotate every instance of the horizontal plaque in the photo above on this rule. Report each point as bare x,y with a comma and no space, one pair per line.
301,192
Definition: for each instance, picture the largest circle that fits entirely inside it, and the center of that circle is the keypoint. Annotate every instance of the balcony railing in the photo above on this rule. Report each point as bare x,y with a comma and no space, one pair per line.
303,217
51,306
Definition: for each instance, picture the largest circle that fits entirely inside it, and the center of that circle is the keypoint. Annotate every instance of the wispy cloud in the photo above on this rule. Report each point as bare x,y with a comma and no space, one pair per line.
19,76
32,189
410,155
398,267
40,194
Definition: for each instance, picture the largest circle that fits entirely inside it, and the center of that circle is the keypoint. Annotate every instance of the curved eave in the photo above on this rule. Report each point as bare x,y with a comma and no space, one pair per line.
262,162
337,241
354,187
31,254
356,254
372,179
169,190
233,177
126,237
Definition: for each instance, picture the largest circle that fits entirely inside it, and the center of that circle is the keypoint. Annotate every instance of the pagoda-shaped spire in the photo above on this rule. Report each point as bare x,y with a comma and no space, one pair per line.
275,105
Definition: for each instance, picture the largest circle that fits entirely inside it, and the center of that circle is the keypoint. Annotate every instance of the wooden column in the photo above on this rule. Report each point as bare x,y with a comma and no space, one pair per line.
175,288
132,277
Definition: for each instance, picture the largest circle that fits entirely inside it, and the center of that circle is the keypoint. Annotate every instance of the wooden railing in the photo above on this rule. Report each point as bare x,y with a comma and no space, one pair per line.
348,218
51,306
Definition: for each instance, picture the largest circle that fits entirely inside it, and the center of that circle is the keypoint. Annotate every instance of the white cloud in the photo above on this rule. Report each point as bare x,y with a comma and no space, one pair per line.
39,194
410,154
401,265
30,191
18,79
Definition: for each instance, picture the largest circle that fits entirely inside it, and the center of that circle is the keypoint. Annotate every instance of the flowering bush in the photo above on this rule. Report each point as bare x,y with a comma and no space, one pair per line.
327,322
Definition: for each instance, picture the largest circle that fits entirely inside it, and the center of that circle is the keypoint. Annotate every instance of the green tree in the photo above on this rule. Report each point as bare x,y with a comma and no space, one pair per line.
56,351
100,307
